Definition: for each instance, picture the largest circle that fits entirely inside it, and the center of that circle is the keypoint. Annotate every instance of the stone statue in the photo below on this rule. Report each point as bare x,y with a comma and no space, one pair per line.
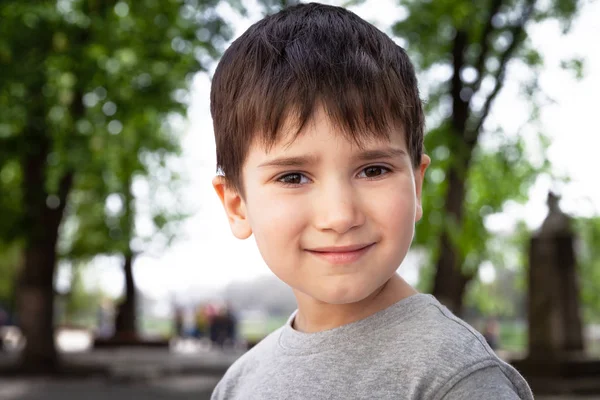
557,222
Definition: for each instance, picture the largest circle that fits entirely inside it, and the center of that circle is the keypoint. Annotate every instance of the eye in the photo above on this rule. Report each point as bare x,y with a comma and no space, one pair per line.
294,178
373,171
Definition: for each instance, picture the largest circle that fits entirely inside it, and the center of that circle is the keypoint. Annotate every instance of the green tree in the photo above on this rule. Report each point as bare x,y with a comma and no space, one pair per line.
78,76
588,262
80,302
109,210
471,178
10,262
504,296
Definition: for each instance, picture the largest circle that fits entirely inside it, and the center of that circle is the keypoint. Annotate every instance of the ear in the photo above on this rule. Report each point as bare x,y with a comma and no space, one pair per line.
419,176
234,206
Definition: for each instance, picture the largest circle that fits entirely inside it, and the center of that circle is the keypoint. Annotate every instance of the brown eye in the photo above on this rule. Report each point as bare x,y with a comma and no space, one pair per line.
373,172
293,179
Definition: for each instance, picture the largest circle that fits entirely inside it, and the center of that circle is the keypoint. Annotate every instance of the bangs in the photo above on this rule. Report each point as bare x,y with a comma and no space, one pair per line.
285,67
354,114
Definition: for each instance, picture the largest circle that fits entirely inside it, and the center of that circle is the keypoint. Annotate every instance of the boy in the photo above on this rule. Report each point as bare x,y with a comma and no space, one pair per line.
319,132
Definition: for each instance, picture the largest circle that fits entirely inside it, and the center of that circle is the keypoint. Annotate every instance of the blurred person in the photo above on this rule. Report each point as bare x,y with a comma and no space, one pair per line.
223,328
105,319
178,322
230,326
201,322
319,132
217,330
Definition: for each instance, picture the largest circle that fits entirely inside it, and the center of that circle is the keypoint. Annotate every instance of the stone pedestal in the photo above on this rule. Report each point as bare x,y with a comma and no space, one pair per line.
556,360
555,327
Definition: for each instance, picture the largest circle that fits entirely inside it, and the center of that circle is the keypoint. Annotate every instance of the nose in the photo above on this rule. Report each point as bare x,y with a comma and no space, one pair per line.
337,208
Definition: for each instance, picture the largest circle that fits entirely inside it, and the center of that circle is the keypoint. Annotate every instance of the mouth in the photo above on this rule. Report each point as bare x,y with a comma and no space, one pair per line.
341,254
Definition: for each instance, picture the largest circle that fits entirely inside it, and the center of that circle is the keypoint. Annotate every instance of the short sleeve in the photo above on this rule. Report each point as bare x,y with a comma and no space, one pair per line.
218,392
225,387
486,383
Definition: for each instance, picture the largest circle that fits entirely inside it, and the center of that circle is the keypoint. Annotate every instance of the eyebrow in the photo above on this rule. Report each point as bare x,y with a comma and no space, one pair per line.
300,161
388,153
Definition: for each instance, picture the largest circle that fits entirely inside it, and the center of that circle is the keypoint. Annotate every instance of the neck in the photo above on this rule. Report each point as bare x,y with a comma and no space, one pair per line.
316,316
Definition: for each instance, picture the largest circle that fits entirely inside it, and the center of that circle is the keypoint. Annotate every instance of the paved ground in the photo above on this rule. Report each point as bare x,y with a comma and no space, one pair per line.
568,397
149,374
129,374
143,363
172,388
169,388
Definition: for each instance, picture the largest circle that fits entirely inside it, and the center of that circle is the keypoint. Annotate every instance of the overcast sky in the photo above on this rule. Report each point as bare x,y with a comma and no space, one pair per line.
209,257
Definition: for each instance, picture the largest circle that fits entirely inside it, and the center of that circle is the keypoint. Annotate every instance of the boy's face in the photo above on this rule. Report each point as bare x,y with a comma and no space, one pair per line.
330,219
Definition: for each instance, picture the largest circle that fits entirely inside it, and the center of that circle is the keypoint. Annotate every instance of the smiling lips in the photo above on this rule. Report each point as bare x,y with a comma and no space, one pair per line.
341,254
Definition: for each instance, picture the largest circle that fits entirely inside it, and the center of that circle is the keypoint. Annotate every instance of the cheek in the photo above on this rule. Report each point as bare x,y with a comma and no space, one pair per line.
396,211
277,220
277,224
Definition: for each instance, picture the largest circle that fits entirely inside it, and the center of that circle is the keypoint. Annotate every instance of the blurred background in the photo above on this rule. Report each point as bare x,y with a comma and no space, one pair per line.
116,260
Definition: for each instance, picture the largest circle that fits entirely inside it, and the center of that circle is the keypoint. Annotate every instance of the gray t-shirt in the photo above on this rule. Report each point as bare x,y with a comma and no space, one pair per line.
415,349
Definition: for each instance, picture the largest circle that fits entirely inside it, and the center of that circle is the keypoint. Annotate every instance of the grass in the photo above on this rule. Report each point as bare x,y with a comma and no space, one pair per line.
513,336
253,330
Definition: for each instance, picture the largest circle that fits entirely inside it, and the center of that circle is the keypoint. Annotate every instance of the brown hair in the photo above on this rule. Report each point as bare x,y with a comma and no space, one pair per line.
305,56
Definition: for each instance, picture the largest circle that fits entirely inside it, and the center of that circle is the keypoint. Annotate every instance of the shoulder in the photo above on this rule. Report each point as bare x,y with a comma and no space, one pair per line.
245,365
453,352
437,333
486,380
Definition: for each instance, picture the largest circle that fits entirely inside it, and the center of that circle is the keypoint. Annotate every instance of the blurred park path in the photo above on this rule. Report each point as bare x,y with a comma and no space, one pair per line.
172,388
130,364
567,397
186,372
195,387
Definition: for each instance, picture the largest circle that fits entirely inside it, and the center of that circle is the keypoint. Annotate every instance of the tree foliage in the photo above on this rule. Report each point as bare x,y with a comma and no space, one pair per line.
506,295
86,90
588,235
109,73
476,167
10,260
80,303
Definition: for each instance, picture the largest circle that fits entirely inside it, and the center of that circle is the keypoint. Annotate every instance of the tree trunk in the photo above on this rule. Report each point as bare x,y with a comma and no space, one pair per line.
35,310
35,295
125,324
450,282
